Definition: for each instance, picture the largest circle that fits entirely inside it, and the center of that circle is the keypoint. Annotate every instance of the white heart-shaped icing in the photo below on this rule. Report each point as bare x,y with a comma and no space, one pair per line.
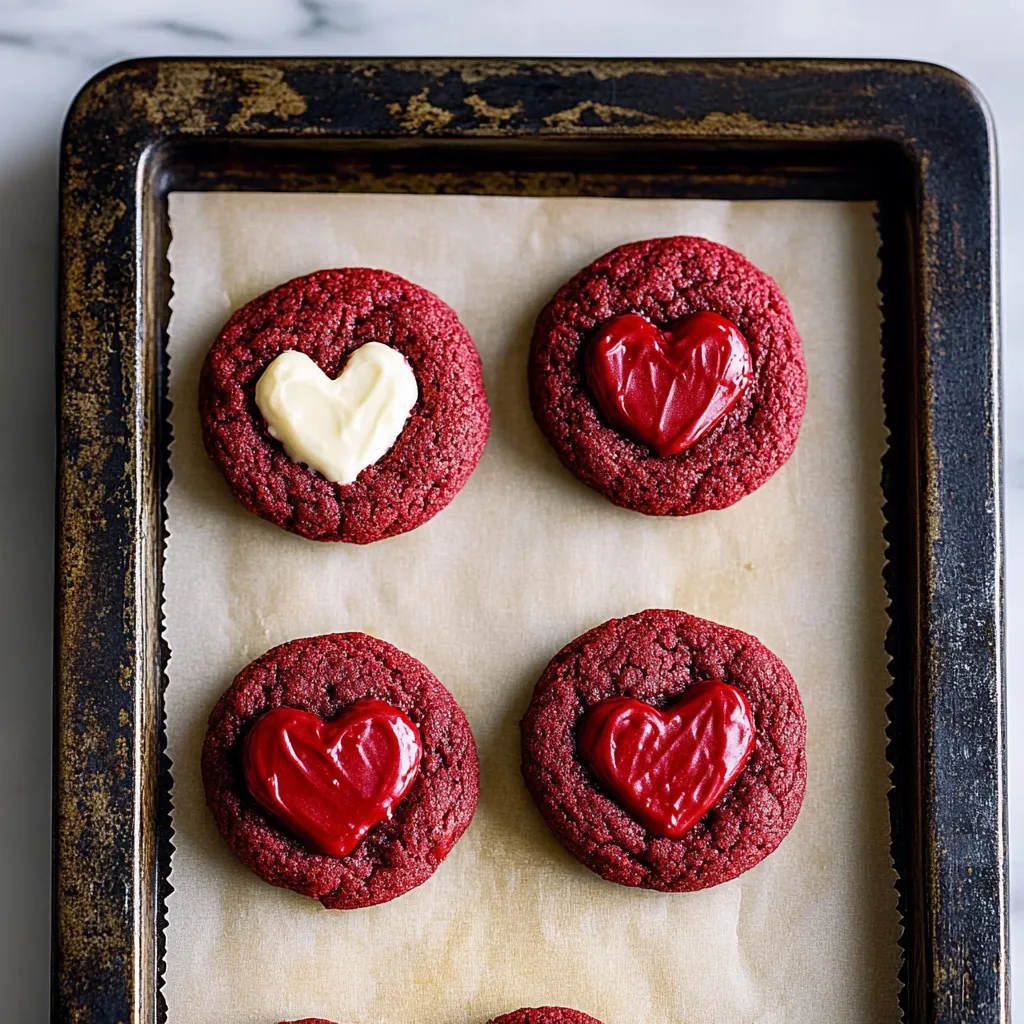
338,427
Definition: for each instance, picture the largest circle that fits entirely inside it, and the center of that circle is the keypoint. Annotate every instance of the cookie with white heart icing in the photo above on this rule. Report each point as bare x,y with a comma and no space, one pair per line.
666,751
669,376
346,405
339,767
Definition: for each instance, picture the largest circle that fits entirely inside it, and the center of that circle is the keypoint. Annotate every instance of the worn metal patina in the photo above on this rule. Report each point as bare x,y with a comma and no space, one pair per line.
911,136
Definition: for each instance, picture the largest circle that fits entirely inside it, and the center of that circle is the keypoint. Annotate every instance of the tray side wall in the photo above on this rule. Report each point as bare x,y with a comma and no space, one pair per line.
751,128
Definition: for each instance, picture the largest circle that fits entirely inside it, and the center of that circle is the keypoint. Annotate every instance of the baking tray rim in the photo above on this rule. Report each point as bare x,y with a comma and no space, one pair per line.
107,729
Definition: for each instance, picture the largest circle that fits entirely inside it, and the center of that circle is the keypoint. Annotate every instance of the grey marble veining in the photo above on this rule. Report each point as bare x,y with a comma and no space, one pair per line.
49,47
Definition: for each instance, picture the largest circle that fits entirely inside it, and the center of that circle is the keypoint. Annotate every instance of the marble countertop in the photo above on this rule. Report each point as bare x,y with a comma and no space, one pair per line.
48,48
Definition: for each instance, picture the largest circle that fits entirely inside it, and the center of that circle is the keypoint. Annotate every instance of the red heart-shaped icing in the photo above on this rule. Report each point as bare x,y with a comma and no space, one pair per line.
669,768
331,782
668,388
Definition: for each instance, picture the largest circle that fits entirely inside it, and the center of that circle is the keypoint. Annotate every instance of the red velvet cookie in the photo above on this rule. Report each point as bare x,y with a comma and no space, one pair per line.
328,316
665,751
669,376
363,693
546,1015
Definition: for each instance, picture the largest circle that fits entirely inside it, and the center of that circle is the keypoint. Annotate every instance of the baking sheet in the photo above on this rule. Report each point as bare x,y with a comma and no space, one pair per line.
522,561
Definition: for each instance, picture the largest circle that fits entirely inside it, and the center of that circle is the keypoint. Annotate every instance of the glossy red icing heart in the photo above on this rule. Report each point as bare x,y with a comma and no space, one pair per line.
669,768
668,388
331,782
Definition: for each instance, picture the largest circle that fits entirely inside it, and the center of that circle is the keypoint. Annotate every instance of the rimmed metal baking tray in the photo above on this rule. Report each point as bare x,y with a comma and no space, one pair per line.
914,138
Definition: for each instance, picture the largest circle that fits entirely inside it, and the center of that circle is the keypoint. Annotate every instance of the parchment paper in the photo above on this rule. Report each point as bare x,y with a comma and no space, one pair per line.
523,560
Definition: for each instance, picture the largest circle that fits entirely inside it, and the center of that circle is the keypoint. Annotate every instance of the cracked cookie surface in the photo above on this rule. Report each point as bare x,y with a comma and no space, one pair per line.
546,1015
654,656
664,279
324,675
328,315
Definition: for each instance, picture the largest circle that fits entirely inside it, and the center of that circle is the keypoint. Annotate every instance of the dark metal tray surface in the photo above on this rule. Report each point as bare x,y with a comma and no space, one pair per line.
914,138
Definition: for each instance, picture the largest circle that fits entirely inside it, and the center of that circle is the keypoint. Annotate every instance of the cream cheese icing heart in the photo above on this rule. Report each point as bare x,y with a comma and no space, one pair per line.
338,427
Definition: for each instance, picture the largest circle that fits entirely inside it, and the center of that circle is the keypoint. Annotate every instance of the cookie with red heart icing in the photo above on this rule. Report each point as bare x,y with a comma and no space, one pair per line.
669,376
346,405
666,751
339,767
546,1015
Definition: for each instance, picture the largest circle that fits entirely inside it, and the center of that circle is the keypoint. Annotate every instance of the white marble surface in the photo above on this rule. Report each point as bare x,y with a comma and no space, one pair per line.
49,47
